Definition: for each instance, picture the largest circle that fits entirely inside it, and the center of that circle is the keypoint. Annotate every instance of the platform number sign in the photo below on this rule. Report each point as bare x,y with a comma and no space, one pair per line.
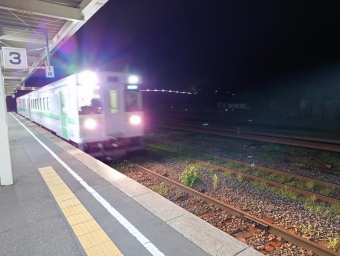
14,57
49,71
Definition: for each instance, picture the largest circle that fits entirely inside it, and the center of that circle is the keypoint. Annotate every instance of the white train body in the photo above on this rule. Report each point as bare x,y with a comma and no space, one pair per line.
101,112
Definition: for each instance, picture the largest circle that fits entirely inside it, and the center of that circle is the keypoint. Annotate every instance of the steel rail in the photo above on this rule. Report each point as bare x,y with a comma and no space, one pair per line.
274,183
264,138
279,135
320,182
297,240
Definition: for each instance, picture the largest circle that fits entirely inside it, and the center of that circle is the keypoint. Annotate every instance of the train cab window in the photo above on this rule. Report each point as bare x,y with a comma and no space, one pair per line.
89,100
113,101
133,101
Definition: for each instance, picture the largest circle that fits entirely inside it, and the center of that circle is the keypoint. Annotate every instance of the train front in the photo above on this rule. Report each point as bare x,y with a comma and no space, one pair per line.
111,114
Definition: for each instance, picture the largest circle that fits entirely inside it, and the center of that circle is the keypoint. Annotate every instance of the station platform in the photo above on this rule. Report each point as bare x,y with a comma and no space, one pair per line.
65,202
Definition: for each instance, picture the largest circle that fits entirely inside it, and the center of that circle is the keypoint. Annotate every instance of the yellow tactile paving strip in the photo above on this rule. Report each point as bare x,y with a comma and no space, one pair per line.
91,236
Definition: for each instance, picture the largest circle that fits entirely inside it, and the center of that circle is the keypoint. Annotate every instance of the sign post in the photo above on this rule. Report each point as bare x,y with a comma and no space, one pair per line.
14,58
6,176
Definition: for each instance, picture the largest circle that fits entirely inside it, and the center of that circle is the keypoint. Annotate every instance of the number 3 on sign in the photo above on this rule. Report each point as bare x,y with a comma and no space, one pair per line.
14,57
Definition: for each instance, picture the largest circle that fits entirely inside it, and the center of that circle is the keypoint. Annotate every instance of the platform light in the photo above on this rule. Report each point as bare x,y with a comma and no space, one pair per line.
88,78
133,79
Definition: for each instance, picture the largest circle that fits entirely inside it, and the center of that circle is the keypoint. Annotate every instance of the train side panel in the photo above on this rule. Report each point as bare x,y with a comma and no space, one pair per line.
70,106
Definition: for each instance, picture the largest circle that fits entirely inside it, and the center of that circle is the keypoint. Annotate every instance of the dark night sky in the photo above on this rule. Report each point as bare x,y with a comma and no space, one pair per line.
177,43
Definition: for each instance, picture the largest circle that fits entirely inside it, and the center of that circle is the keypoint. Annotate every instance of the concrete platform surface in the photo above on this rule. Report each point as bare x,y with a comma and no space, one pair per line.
65,202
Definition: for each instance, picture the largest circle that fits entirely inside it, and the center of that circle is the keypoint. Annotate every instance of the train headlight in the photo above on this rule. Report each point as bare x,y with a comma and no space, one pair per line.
88,78
90,124
135,119
133,79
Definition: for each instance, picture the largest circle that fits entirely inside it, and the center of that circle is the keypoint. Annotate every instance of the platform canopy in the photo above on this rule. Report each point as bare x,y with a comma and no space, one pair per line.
25,24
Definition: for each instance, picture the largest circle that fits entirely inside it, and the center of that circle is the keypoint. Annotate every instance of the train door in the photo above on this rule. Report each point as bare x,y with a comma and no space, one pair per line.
114,115
63,115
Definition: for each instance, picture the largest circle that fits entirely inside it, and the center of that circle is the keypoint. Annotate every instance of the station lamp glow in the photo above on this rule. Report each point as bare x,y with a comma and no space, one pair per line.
133,79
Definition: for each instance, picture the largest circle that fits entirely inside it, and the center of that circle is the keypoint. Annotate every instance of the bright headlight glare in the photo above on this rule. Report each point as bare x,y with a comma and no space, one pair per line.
90,124
88,78
133,79
135,119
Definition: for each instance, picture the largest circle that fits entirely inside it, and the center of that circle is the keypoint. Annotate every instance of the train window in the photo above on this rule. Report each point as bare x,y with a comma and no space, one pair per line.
43,103
113,101
89,101
133,101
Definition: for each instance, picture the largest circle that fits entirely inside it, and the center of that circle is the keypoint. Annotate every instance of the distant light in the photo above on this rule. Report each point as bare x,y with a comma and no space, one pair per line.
233,94
133,79
215,91
155,90
132,87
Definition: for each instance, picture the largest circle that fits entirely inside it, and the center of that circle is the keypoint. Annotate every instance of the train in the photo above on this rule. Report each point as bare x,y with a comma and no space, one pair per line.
101,113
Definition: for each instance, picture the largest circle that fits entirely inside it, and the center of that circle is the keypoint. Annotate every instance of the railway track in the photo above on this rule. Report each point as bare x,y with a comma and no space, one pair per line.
270,182
273,229
297,141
